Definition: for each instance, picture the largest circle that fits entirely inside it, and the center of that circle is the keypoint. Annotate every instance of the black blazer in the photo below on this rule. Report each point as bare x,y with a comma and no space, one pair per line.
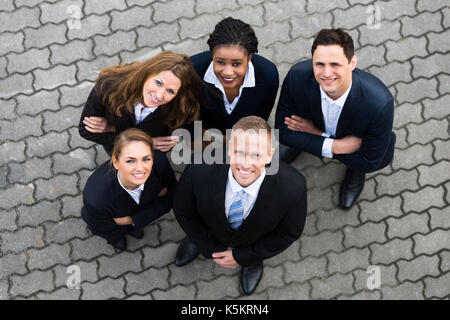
152,124
104,198
257,101
276,220
367,113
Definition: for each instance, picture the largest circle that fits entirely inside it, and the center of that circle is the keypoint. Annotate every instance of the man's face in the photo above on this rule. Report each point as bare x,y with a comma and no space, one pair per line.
332,69
249,153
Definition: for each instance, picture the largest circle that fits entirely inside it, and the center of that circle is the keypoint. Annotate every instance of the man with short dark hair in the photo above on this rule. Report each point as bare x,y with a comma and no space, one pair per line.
236,214
329,108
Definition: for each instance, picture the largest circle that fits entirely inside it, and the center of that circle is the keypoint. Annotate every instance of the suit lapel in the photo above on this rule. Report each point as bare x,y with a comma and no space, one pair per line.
122,201
316,104
350,107
218,194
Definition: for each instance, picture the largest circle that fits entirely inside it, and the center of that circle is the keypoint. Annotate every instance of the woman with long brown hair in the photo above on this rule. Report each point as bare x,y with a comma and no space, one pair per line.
156,96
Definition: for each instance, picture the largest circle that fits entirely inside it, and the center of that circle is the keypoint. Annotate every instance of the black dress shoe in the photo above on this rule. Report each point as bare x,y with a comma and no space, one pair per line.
351,188
251,277
187,251
288,154
137,233
120,245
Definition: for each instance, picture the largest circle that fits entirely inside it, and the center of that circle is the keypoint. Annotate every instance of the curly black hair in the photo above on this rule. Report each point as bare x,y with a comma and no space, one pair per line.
233,31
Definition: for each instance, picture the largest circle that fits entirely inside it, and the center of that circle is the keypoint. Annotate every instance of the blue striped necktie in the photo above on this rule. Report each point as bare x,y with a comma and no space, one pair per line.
236,213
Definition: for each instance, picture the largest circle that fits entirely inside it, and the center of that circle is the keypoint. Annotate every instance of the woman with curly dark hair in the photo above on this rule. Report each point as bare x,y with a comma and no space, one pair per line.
156,96
238,81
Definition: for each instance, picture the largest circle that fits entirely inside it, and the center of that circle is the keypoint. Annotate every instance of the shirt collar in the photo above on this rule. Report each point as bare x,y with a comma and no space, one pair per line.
252,189
249,79
140,187
139,111
340,101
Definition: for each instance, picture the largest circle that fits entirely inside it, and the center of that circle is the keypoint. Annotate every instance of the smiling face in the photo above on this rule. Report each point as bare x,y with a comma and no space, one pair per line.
332,69
249,153
230,64
134,164
160,89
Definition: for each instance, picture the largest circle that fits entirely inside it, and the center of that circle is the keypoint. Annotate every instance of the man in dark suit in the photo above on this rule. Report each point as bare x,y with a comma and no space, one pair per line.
237,215
329,108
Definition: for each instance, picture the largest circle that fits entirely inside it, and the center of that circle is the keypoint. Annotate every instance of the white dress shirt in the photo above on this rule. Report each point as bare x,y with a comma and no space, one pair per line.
141,112
248,199
331,110
136,193
249,82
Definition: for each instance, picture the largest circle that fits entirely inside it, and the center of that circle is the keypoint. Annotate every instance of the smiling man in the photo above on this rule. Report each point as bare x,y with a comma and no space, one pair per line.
237,215
332,109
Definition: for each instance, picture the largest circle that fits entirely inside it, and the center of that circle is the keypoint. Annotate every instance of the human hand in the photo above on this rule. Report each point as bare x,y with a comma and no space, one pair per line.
163,192
98,125
346,145
296,123
225,259
123,221
164,144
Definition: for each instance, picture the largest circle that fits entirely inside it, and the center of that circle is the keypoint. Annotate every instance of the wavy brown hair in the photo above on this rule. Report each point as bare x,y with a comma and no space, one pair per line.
121,87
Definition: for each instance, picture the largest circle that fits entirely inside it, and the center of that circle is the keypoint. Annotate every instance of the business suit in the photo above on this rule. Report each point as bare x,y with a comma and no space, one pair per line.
258,100
104,199
276,220
367,113
94,107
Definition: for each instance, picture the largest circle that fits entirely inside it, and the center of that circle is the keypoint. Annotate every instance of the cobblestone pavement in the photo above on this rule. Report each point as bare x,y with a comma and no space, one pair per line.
400,224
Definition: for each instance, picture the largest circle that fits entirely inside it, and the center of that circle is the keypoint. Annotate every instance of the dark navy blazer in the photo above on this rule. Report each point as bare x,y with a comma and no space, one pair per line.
257,101
367,113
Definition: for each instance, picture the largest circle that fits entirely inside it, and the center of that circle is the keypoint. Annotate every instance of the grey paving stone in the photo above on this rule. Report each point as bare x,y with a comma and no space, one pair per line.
13,264
391,251
293,291
3,177
397,182
40,212
88,272
71,206
290,254
348,260
19,19
418,268
393,73
272,277
16,84
38,102
405,291
387,277
439,218
444,83
364,235
47,144
171,232
284,10
45,35
104,289
22,239
8,219
416,90
432,242
331,287
380,209
387,31
30,170
423,5
319,199
446,21
62,119
350,18
172,10
75,96
119,264
131,18
157,35
322,243
439,42
30,3
4,290
176,293
54,77
112,44
406,48
90,248
207,6
147,281
423,199
74,161
253,15
160,256
21,127
195,28
60,294
150,238
414,25
412,157
139,55
100,7
430,66
308,26
433,175
334,173
29,60
319,6
293,51
434,287
401,138
445,260
48,256
330,220
65,230
406,113
11,151
31,283
11,42
90,26
436,108
139,2
199,269
55,187
302,271
71,52
7,5
408,225
363,295
218,288
8,107
188,47
392,10
17,194
88,70
59,11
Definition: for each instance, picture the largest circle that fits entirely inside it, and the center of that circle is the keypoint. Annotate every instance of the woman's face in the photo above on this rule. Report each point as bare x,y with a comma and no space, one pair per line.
230,64
134,164
160,89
